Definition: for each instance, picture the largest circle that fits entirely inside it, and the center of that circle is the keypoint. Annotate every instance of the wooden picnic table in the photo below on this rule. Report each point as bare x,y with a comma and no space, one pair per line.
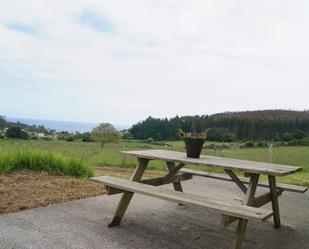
249,208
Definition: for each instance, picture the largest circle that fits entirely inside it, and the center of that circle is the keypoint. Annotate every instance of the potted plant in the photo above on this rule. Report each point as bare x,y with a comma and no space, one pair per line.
194,142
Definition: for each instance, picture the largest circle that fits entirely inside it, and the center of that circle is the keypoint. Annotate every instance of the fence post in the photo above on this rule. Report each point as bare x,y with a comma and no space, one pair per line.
270,153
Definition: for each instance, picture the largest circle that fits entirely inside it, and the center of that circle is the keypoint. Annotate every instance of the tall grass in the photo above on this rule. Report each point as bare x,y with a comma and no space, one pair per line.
42,160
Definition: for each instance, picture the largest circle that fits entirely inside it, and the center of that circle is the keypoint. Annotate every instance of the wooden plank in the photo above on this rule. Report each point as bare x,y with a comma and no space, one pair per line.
274,201
260,200
173,169
226,220
158,181
113,191
230,209
250,196
248,201
254,179
218,162
236,180
240,233
263,199
281,186
127,196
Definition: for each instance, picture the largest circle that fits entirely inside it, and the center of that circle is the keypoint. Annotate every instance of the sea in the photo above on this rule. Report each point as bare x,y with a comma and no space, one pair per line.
58,125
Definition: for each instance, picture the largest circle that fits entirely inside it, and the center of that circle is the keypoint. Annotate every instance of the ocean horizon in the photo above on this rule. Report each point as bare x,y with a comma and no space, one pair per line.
59,125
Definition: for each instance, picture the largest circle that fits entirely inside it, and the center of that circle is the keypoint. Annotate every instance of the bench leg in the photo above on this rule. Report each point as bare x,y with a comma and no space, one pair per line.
177,185
240,233
249,198
127,196
274,200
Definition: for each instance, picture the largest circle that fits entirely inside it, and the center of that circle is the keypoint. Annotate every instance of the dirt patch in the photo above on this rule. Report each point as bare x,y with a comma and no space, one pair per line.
26,189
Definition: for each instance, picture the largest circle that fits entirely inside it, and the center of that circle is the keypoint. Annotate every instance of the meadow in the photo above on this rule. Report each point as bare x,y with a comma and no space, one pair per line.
108,156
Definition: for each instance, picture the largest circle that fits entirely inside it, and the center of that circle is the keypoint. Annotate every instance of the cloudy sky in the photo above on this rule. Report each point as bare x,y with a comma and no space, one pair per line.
122,61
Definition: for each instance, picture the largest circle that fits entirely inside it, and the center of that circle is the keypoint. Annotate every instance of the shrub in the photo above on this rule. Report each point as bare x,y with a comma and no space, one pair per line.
262,144
299,134
126,135
69,139
220,135
287,137
299,142
86,137
34,137
248,144
149,140
42,160
217,146
16,132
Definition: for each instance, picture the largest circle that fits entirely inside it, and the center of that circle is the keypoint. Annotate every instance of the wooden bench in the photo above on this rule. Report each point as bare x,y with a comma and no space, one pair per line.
241,212
280,186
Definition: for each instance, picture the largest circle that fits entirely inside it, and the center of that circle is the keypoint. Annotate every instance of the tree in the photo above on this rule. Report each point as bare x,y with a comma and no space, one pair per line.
105,133
2,122
16,132
86,137
287,137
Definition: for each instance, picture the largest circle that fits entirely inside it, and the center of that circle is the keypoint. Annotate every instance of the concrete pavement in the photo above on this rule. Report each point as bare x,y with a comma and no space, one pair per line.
151,223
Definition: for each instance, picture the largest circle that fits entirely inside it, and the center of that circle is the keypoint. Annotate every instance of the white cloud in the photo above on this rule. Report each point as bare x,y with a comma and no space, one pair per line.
162,58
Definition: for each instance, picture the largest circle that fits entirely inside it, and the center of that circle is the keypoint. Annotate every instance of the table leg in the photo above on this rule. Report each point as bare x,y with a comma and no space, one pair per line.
240,233
253,183
249,199
177,185
127,196
274,200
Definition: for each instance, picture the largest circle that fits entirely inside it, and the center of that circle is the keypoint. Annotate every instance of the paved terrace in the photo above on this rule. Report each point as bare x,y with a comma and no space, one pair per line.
151,223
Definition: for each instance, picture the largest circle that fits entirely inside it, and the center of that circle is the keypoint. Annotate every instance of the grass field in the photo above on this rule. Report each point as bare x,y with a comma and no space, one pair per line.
109,156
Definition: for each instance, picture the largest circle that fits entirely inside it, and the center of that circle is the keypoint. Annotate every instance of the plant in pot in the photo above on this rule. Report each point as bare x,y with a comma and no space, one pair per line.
194,142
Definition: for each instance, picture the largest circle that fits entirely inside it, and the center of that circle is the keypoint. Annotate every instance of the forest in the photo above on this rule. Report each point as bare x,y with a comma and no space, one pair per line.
275,125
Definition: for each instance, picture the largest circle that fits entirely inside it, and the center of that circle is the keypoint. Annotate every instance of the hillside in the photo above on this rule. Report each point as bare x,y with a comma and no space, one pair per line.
229,126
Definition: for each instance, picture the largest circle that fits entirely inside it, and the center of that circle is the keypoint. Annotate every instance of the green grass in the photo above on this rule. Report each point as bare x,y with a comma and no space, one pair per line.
93,155
43,160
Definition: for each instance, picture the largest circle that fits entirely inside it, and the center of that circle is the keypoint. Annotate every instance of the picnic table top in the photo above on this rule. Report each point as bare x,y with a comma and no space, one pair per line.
219,162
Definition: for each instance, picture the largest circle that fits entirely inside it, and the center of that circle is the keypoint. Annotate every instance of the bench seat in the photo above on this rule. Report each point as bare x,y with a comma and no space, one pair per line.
280,186
230,209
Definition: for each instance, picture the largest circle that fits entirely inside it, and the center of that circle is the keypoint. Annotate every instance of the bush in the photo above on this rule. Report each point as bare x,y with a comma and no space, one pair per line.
216,146
299,142
47,138
86,137
262,144
69,139
248,144
287,137
126,135
299,134
16,132
42,160
149,140
220,135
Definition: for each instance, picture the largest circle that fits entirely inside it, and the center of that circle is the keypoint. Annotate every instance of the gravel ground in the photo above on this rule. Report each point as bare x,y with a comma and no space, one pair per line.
151,223
25,189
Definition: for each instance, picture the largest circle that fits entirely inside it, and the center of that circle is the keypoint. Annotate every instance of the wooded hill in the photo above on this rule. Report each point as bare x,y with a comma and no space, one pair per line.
31,128
229,126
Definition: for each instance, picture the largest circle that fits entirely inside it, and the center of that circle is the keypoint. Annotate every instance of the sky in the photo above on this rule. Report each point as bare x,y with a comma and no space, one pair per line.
121,61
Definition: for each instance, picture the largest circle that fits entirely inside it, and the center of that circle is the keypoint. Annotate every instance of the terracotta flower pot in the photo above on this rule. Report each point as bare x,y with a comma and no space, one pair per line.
194,146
